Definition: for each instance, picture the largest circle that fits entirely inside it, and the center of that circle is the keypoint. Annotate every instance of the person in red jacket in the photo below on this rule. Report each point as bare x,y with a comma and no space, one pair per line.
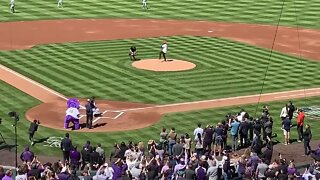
300,120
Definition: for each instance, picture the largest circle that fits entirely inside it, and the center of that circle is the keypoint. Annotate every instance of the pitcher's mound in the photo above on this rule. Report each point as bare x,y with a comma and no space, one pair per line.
160,65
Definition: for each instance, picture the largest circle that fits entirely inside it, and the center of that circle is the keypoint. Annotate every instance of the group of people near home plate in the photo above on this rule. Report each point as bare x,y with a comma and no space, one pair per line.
73,113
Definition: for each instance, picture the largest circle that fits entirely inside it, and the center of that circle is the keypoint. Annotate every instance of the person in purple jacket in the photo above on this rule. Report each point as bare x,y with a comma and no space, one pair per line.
118,169
8,175
75,157
27,155
201,171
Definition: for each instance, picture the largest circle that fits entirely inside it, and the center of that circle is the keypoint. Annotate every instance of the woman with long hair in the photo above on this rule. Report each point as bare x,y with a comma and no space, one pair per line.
307,136
187,144
199,145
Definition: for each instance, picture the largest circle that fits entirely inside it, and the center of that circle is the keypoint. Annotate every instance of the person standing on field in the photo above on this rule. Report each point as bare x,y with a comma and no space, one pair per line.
286,126
164,50
307,136
300,120
60,4
144,4
89,114
12,4
284,112
291,109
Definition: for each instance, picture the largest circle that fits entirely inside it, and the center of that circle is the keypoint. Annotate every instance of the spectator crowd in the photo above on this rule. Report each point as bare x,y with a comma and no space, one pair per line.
204,154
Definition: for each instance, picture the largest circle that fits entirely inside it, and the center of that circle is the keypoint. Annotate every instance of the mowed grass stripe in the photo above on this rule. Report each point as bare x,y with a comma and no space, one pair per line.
103,69
235,11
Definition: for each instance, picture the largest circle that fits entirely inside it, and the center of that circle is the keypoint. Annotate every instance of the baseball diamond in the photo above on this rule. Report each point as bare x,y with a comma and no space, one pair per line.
216,58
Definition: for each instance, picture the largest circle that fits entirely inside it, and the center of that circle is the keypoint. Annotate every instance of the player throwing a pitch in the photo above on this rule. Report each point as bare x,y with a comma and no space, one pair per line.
163,51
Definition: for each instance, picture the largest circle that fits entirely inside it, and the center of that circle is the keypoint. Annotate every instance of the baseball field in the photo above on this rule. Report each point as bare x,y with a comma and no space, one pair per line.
81,50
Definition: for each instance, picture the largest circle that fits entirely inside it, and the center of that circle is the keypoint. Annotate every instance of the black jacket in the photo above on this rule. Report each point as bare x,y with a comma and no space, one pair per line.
66,145
94,158
244,128
33,127
257,127
267,155
89,108
307,135
85,154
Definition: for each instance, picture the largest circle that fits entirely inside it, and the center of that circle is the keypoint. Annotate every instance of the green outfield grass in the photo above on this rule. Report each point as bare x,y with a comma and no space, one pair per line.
15,100
103,69
263,11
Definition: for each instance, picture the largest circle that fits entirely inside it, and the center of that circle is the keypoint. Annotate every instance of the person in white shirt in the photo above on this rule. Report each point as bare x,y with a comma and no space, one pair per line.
164,50
12,3
198,130
60,4
284,112
144,4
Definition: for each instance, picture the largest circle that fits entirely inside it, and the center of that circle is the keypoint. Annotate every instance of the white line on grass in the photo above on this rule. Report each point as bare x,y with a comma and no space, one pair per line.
34,82
230,98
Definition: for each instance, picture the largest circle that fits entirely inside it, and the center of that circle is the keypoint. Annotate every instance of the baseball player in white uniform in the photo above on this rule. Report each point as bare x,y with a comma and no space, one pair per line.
144,4
164,50
60,3
12,6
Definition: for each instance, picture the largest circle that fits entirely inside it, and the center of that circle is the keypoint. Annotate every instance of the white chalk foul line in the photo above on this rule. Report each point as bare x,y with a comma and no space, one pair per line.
231,98
117,116
102,117
96,119
297,95
34,82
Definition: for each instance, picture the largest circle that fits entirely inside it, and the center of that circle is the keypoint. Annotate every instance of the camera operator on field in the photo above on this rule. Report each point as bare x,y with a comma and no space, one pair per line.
32,129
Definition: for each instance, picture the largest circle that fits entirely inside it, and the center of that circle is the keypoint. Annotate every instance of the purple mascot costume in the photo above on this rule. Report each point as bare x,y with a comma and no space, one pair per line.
72,113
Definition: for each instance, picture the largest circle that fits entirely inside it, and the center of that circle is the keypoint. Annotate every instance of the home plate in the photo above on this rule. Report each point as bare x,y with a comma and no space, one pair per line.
210,31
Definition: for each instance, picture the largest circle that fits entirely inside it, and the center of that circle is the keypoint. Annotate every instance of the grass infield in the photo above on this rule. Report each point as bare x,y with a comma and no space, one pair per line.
103,69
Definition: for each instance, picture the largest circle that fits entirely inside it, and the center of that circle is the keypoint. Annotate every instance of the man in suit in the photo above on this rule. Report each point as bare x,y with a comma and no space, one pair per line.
243,131
66,146
32,129
89,113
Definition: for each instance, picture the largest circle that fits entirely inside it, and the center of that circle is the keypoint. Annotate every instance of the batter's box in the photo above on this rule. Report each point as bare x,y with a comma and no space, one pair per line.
111,114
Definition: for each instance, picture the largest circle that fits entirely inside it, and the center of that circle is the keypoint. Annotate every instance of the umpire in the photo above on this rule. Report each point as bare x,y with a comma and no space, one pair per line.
89,113
32,129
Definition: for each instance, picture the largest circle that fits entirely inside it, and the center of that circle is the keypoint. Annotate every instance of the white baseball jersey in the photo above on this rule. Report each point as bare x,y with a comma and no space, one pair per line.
74,112
164,48
12,2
